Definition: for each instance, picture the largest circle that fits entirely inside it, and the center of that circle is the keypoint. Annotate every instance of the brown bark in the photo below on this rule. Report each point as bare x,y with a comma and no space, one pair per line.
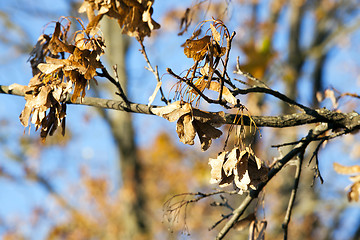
123,133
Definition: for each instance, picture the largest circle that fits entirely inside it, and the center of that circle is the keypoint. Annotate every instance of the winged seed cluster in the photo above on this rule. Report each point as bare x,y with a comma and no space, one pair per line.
192,121
61,65
239,166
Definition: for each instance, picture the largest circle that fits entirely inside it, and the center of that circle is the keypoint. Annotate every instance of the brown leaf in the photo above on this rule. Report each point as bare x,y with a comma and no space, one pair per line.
192,121
80,85
134,17
214,118
172,112
242,168
36,105
38,53
56,45
215,33
215,86
185,129
48,68
242,178
197,49
206,133
19,87
231,161
353,194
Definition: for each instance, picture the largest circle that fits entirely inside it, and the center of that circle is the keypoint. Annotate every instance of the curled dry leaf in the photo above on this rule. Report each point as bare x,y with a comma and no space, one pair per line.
354,193
241,167
81,64
215,86
215,33
191,122
39,99
134,17
55,76
39,52
197,49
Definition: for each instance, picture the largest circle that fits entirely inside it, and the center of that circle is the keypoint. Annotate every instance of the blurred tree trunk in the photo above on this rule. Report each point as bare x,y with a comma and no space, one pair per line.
122,129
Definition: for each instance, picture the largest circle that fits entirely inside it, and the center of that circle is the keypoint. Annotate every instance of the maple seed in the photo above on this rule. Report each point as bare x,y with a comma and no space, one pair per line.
197,49
241,167
192,121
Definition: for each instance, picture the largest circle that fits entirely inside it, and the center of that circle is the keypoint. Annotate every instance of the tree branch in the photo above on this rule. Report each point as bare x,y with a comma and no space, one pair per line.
299,148
293,195
349,121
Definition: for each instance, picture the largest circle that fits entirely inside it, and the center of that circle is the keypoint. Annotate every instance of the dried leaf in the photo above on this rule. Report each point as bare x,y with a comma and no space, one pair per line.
242,178
79,89
216,167
185,129
231,161
346,170
192,121
19,87
197,49
242,168
353,194
215,86
206,133
215,33
216,119
174,111
38,53
48,68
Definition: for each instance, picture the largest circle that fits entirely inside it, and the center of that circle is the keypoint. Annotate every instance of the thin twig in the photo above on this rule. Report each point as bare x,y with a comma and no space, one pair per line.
324,138
114,81
317,173
174,209
228,48
154,71
198,91
290,207
320,129
248,75
274,93
223,217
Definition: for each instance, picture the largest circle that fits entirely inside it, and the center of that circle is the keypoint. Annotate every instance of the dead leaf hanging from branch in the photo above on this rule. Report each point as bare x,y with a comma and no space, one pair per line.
191,122
59,65
134,17
239,166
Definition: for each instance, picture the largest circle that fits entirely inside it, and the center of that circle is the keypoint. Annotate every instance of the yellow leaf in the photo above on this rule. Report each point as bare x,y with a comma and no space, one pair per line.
215,33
